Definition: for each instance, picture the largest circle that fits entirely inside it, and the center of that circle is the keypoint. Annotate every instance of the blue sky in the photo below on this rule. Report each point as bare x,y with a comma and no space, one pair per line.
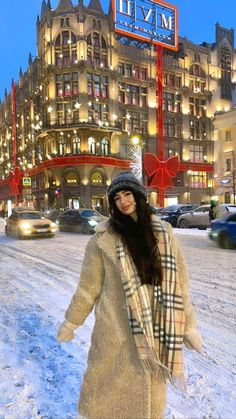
197,20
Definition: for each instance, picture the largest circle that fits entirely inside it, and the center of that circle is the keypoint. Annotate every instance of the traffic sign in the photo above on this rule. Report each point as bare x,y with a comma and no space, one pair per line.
26,181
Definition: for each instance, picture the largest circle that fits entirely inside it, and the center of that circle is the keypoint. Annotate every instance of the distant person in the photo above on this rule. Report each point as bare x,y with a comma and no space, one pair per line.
135,276
215,211
4,210
212,215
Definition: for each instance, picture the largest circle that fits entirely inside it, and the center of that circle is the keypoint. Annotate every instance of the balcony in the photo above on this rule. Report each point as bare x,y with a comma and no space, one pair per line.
70,123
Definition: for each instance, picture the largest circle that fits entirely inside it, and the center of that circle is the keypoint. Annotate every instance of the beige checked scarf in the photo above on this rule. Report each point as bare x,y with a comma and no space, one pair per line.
157,328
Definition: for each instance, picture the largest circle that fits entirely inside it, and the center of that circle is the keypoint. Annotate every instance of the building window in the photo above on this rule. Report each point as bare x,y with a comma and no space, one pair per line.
172,127
75,145
67,113
228,165
197,107
62,147
226,64
197,71
133,121
96,50
98,113
105,147
97,179
172,80
97,85
228,136
65,49
132,95
197,129
67,84
198,180
196,153
71,178
172,102
92,145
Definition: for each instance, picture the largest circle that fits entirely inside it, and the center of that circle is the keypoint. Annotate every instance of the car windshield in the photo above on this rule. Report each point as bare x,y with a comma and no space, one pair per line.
89,213
172,208
29,216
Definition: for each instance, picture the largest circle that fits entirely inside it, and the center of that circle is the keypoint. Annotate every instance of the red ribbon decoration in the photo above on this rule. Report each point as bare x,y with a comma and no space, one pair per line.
15,181
163,171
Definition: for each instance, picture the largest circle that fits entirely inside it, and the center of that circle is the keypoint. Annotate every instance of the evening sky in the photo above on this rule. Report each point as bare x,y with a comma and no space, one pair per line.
197,19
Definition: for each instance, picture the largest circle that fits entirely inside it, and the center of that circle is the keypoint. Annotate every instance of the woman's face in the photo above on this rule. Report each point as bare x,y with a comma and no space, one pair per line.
126,204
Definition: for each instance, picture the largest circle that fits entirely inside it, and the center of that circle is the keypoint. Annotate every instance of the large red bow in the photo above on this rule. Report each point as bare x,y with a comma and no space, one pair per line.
163,171
15,180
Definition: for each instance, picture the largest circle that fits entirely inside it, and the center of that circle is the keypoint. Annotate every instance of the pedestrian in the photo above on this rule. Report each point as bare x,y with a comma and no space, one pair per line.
135,276
212,214
4,210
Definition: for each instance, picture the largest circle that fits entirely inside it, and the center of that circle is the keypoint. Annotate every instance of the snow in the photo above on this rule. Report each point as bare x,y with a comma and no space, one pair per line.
40,378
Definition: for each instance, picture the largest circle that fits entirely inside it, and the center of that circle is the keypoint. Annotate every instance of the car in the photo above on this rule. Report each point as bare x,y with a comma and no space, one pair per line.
82,220
24,223
223,231
52,214
173,212
157,210
199,218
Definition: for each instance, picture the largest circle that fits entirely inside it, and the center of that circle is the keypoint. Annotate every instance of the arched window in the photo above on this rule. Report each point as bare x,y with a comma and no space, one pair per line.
197,71
104,44
97,179
62,146
75,145
65,48
71,178
92,145
105,147
96,50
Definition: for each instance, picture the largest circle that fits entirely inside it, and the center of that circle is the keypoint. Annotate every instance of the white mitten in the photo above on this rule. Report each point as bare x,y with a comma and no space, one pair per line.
66,331
193,340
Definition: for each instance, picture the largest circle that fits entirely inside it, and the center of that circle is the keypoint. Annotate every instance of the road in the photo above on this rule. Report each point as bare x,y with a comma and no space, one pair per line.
40,378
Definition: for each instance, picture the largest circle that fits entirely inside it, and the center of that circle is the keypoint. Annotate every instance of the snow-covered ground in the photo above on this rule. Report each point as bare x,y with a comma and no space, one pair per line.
40,378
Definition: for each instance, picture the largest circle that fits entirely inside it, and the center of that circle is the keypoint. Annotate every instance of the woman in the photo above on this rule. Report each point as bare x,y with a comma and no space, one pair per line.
135,276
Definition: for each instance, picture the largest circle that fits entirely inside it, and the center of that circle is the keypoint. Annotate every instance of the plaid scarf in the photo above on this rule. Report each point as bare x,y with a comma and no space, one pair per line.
157,328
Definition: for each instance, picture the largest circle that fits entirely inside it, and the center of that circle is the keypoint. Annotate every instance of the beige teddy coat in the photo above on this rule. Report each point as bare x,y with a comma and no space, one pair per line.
115,385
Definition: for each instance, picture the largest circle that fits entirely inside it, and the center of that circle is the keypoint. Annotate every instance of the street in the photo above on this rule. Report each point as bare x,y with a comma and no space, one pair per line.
40,378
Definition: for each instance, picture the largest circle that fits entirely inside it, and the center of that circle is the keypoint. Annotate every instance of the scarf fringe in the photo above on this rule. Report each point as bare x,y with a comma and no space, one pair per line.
153,366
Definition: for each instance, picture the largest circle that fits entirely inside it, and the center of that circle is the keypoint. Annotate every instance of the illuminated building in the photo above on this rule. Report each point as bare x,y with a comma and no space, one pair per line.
88,92
225,156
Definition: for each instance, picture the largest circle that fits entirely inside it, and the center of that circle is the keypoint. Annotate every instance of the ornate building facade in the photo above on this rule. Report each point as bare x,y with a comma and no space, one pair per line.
225,156
88,93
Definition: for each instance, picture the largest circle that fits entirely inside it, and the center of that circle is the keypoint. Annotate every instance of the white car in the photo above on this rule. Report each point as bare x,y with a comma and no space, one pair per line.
199,218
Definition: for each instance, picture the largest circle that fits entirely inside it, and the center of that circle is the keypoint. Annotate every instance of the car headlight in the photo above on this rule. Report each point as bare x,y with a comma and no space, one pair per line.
92,223
53,224
25,226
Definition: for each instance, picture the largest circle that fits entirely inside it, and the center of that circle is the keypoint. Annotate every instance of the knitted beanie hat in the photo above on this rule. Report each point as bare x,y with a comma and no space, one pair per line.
125,181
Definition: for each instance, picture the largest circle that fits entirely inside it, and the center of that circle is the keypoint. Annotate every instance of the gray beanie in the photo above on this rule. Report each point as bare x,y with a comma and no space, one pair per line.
125,181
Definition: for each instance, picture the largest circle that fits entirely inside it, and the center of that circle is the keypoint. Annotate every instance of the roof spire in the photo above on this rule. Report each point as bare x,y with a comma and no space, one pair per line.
43,9
95,5
65,5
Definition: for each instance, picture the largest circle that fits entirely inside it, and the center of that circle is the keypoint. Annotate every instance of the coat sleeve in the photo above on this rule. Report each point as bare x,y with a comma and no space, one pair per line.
184,282
89,287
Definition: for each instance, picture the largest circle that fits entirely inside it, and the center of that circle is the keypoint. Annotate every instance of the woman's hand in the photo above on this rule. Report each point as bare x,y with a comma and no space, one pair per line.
66,331
193,340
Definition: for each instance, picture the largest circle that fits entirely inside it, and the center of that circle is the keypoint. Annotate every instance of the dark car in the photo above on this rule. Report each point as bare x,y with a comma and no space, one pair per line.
82,220
52,214
223,231
173,212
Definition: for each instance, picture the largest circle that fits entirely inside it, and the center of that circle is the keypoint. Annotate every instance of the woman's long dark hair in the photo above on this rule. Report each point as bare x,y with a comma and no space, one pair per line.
139,239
